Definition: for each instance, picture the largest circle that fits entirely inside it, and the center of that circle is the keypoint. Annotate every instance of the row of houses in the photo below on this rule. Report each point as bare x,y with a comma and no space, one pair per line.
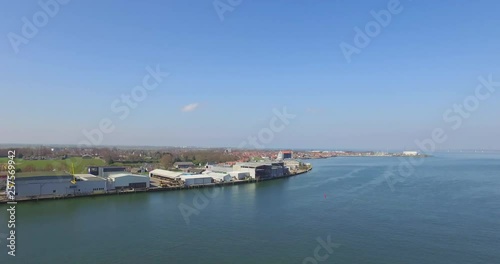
97,180
239,171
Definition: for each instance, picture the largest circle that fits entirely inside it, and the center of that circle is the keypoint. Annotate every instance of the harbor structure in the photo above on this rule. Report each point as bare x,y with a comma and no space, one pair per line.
53,185
57,184
60,184
128,181
261,170
240,175
105,171
219,177
284,154
292,165
235,174
166,174
220,169
280,156
197,179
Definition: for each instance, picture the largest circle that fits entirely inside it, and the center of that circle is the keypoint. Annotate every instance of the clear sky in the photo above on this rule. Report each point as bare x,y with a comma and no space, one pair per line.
227,76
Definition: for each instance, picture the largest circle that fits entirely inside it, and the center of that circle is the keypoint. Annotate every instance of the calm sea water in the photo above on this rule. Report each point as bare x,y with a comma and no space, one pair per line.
447,211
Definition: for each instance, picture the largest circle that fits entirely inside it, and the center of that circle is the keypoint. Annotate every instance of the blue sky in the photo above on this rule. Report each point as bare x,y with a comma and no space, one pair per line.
264,55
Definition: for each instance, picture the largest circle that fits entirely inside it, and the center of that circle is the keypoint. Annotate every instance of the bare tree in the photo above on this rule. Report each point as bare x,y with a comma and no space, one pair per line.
167,160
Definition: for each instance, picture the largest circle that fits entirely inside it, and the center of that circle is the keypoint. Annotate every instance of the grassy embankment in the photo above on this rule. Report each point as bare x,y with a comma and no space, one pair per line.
58,165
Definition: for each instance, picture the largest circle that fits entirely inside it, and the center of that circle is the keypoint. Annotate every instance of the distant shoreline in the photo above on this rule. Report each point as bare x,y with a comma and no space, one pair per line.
371,156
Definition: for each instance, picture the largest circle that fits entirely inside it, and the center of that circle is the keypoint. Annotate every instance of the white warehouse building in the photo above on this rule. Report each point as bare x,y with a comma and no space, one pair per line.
198,179
239,175
219,177
166,174
127,180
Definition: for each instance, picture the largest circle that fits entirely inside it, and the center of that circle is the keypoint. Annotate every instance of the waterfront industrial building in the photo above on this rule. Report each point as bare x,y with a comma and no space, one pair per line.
285,154
166,174
292,165
197,179
240,175
59,184
218,177
235,174
111,179
262,170
127,181
219,169
105,171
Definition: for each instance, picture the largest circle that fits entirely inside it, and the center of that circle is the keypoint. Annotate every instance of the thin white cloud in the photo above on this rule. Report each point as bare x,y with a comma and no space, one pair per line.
190,107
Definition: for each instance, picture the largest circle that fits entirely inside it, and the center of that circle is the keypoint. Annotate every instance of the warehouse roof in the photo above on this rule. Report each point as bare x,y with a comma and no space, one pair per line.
221,169
215,174
118,175
195,176
89,177
167,174
254,164
238,171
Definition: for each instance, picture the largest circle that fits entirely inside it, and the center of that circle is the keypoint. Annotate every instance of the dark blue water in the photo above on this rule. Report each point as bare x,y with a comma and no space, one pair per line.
446,211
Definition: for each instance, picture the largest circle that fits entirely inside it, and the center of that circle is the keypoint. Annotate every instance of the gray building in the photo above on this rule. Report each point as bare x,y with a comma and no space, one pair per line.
36,184
220,169
183,165
105,171
261,170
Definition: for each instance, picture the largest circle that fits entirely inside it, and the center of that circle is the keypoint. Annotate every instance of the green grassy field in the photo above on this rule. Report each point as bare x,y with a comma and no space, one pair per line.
58,165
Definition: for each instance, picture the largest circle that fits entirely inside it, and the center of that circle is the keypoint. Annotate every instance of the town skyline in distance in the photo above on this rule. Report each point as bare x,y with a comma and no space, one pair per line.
151,147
